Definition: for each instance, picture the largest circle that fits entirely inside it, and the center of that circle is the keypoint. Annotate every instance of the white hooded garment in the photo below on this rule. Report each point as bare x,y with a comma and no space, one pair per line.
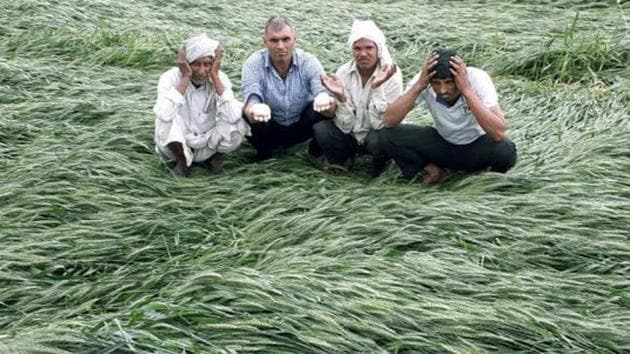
369,30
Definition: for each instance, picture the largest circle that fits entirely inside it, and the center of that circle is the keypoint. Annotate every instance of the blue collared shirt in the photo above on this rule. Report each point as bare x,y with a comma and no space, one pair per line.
288,97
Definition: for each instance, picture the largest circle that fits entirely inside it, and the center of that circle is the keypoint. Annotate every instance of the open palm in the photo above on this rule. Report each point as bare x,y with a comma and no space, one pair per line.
334,85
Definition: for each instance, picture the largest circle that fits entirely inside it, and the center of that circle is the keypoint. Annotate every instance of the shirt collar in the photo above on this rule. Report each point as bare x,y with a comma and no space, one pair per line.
354,69
443,102
294,59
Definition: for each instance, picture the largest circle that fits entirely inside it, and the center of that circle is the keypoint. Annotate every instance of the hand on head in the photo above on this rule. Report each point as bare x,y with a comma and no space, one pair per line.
216,61
460,73
182,63
428,69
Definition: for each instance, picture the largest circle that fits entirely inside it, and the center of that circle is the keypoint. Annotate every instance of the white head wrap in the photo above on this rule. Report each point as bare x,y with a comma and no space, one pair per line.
369,30
200,46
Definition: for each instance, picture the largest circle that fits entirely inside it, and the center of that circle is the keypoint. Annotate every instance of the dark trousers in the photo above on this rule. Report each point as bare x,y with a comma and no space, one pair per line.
413,147
339,147
269,136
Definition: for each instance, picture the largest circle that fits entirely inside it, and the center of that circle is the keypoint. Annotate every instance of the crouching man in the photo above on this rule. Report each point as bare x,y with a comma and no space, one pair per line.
363,87
197,117
469,129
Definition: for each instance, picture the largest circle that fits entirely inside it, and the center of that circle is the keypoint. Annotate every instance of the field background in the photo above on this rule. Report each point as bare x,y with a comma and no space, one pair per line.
102,250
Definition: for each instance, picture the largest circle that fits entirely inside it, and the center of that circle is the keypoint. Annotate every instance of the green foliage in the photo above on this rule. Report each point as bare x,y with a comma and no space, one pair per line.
570,56
104,251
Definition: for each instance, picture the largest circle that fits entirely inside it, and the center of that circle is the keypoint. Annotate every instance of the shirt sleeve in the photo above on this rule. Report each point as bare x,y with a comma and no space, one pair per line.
483,86
228,108
169,100
382,97
345,114
252,77
314,71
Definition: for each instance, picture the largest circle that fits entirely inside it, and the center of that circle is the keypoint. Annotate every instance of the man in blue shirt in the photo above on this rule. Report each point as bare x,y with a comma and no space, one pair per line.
283,92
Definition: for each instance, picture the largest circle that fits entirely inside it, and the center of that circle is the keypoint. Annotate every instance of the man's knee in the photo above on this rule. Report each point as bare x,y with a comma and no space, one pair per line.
372,142
228,136
323,130
386,139
231,144
504,156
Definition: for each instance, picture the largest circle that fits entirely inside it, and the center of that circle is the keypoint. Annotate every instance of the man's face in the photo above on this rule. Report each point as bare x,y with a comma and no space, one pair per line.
446,89
365,54
280,43
201,68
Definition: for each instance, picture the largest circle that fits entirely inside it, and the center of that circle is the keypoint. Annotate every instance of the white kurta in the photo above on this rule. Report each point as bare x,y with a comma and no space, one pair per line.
364,106
202,121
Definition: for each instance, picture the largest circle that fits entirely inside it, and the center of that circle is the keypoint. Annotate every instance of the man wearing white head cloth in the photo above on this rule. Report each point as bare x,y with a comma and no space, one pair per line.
197,117
364,87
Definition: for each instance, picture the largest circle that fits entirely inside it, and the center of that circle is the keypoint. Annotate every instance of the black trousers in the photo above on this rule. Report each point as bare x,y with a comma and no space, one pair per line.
339,147
413,147
270,135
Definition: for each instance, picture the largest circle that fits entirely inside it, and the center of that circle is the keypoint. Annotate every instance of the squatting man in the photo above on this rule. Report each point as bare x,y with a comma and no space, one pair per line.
469,128
197,117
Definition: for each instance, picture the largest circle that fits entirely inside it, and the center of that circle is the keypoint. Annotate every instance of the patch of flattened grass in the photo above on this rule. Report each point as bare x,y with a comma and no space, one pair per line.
123,47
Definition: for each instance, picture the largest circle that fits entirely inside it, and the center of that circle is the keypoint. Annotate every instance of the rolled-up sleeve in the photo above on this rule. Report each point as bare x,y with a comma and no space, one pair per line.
169,100
382,97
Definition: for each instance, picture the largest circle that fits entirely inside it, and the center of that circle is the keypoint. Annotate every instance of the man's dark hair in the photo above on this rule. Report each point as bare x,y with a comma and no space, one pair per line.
443,66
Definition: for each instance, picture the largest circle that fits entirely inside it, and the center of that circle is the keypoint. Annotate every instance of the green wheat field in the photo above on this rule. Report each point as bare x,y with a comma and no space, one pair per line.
102,250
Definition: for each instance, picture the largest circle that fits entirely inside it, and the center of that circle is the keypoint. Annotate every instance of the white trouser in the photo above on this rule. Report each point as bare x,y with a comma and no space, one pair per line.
224,137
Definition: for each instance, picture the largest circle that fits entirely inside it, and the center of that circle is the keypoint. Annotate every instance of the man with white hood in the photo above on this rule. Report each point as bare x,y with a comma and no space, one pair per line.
197,117
363,87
